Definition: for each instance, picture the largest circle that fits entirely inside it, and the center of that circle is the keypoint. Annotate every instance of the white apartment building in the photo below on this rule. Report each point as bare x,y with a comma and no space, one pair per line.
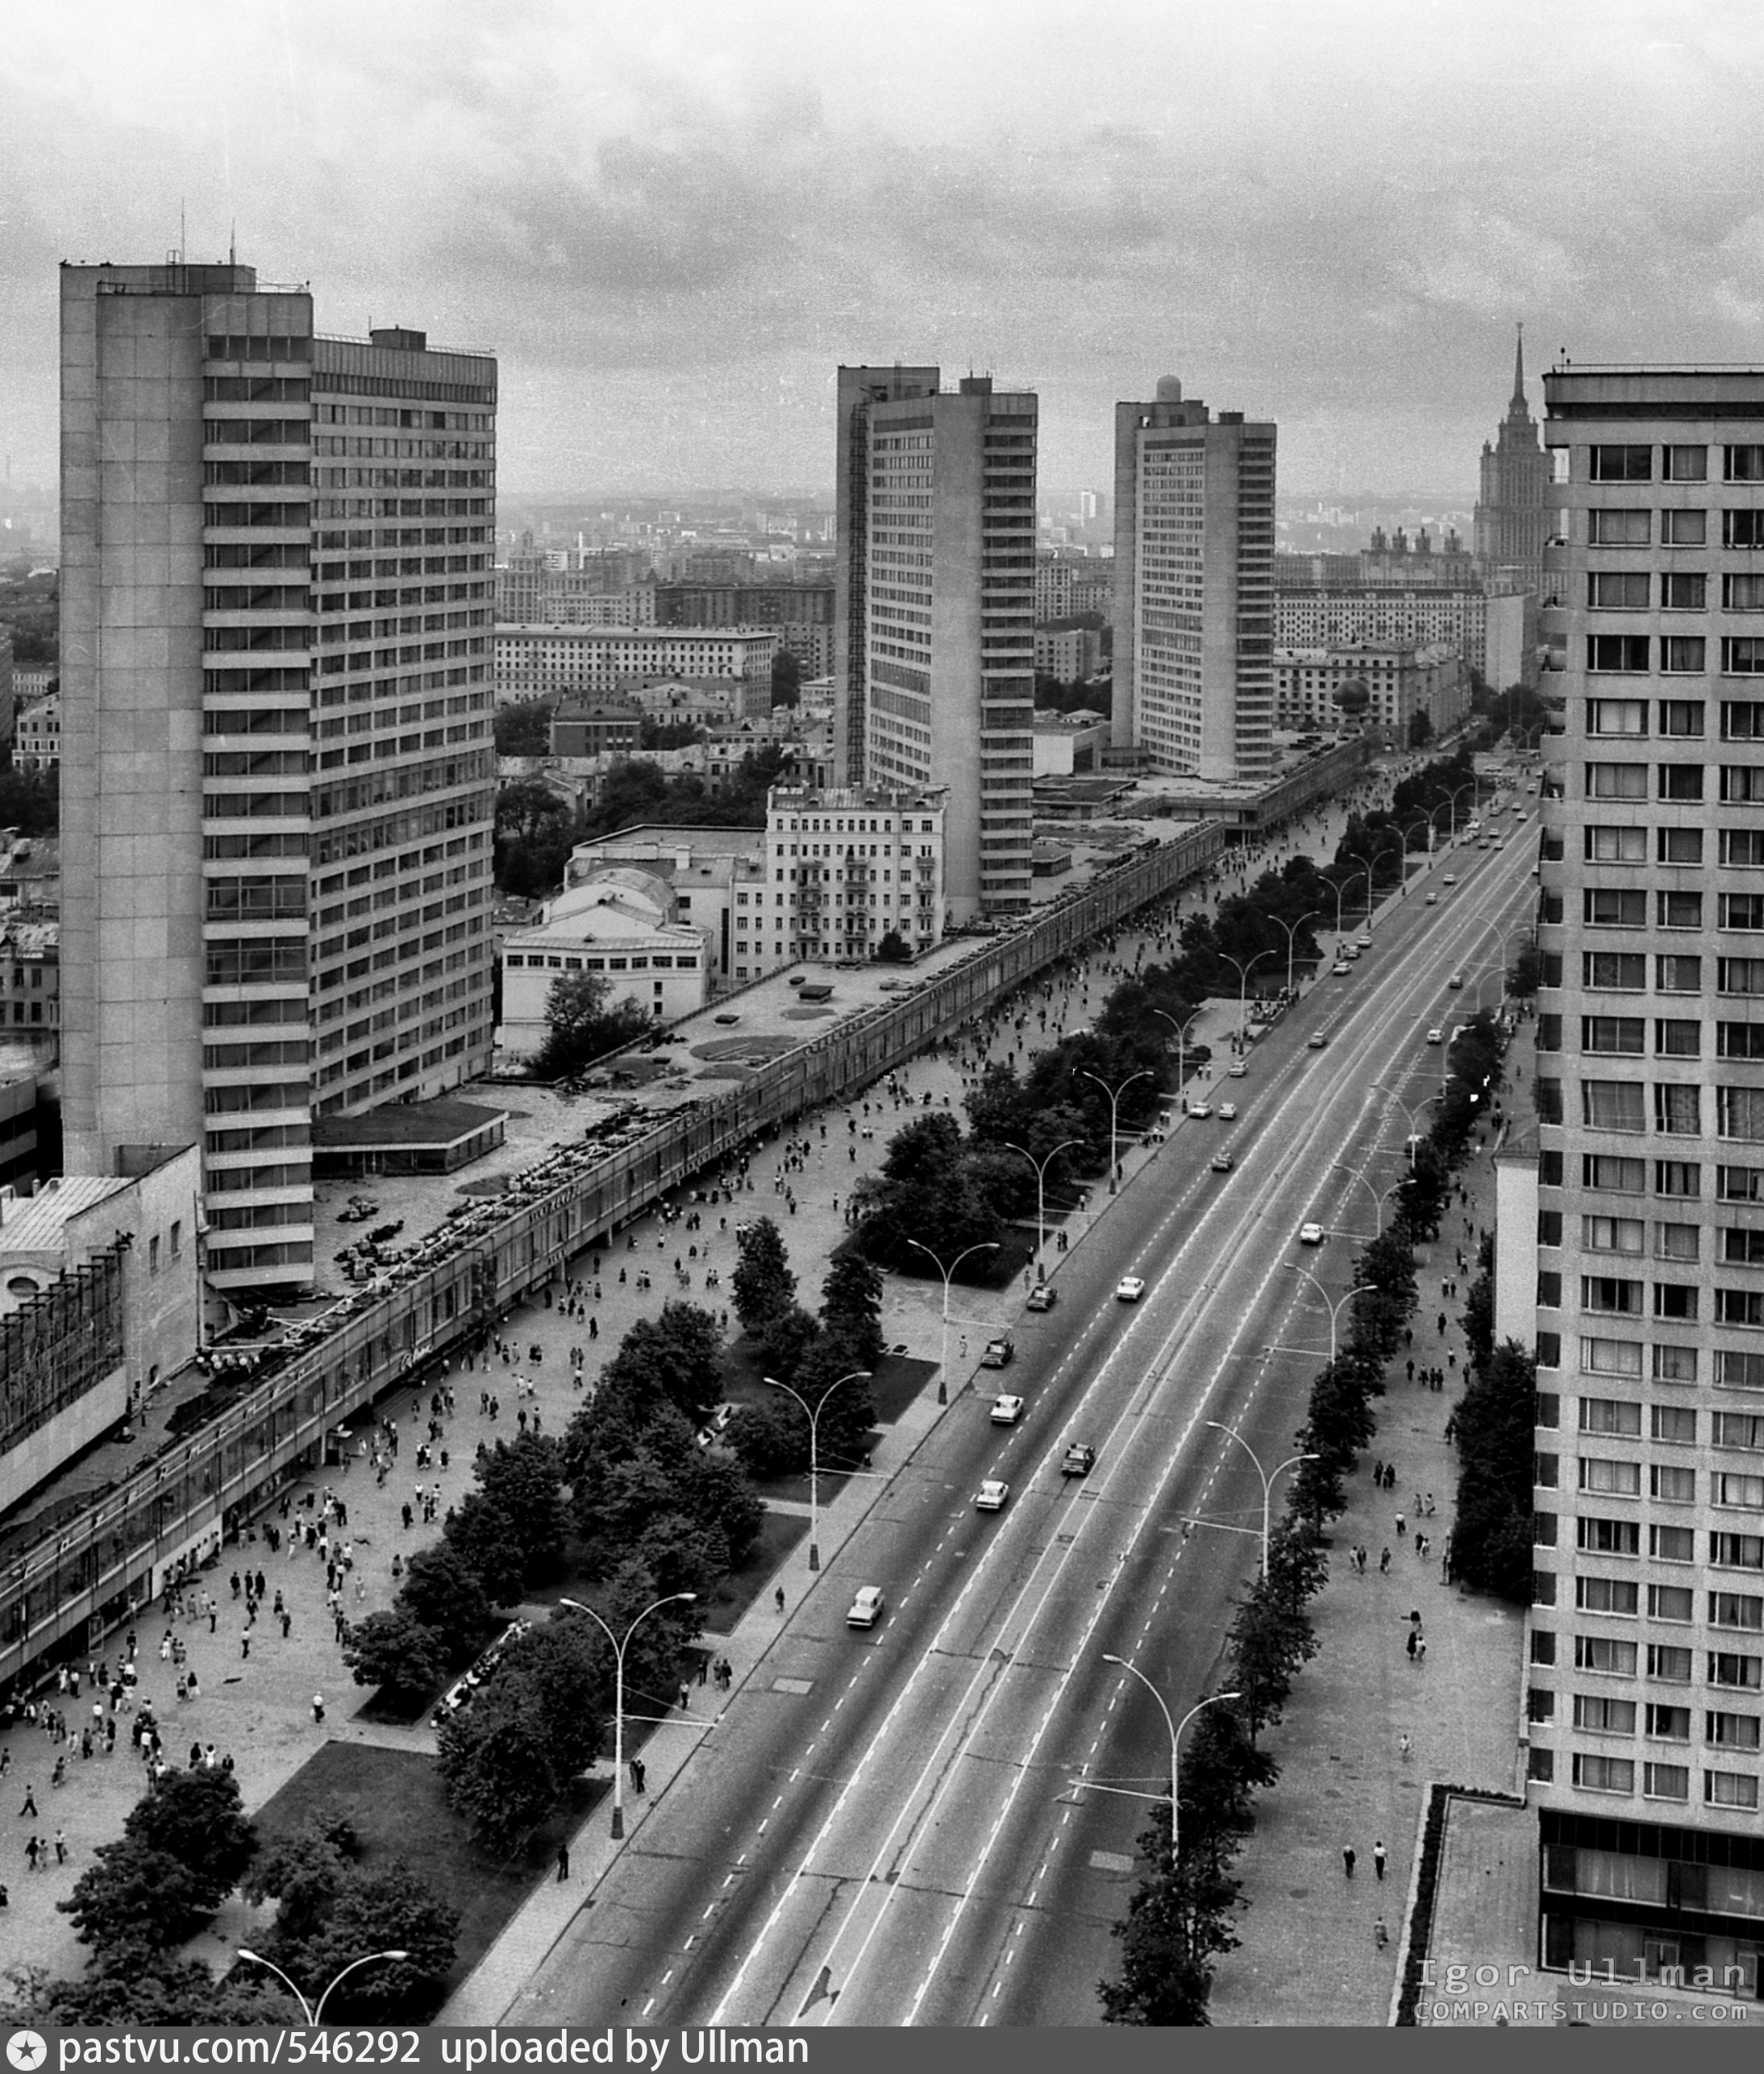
536,662
846,866
1399,681
1412,616
618,926
1645,1637
1193,589
36,741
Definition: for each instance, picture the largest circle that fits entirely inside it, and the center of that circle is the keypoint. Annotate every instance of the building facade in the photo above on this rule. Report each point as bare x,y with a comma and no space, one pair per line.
1313,616
276,765
618,926
802,613
933,630
1510,506
1193,589
1646,1634
595,728
1399,681
551,661
36,740
848,867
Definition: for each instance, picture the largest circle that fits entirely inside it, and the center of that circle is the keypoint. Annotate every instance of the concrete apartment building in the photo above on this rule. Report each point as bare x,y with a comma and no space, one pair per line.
934,626
1193,594
277,767
1308,614
1646,1634
800,613
36,739
552,662
848,866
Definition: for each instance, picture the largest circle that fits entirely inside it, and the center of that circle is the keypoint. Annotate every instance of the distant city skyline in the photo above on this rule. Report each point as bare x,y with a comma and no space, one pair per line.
1332,215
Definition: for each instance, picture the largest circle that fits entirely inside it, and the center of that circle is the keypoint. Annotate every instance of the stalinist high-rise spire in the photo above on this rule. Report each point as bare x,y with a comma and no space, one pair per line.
1509,526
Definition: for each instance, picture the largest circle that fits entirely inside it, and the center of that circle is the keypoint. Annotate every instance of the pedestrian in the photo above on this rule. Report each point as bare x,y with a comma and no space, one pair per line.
638,1771
31,1851
778,1597
1403,1746
1412,1645
1385,1562
61,1847
1348,1858
1378,1857
1381,1936
704,1670
1402,1526
562,1861
318,1710
30,1807
685,1697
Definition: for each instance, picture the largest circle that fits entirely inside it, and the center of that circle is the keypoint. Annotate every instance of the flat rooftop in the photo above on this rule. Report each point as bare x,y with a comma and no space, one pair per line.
439,1123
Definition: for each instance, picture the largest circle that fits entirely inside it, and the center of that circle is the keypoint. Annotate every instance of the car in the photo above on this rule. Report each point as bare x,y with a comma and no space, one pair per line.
1433,899
1203,1110
1228,1112
1310,1235
1341,968
999,1351
1436,1035
1007,1410
1237,1070
866,1609
1500,846
992,1496
1451,878
1077,1460
1129,1288
1221,1162
1363,940
1316,1040
1455,980
1043,1297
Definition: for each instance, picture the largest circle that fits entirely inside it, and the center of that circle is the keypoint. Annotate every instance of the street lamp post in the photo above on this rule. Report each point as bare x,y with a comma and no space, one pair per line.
1336,1309
1409,1115
1340,891
1114,1095
1175,1729
814,1414
1472,787
1340,1167
1182,1030
1371,886
673,1598
985,1246
314,2012
1269,1478
1041,1167
1292,930
1243,972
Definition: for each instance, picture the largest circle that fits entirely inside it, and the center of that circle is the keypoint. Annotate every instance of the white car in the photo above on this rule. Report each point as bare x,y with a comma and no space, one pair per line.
1228,1112
992,1496
867,1607
1200,1109
1451,878
1221,1162
1456,980
1436,1036
1341,968
1363,942
1007,1410
1237,1070
1129,1288
1433,899
1310,1235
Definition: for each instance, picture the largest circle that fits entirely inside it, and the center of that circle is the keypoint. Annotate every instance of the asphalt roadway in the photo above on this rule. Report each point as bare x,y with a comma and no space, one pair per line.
883,1828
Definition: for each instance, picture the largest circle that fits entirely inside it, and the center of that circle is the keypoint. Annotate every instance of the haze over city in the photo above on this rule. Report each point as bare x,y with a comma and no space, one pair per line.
671,227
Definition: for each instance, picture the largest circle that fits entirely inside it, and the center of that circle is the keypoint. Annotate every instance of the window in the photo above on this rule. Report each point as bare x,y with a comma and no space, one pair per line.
1739,976
1612,1235
1671,1601
1610,1479
1603,1716
1736,1609
1676,1300
1744,1494
1614,971
1680,1178
1740,1184
1539,1704
1742,784
1742,848
1668,1724
1742,655
1626,654
1602,1653
1680,781
1676,974
1672,1545
1731,1732
1743,527
1619,781
1728,1789
1614,907
1613,1176
1611,1414
1543,1646
1679,910
1675,1109
1621,464
1673,1423
1739,1307
1743,465
1673,1364
1613,1105
1616,845
1667,1782
1604,1775
1739,1114
1741,1248
1737,1673
1671,1485
1674,1242
1738,1429
1737,1552
1739,1040
1622,1035
1677,1039
1609,1537
1669,1662
1618,591
1611,1357
1616,1595
1683,529
1610,1293
1679,846
1684,655
1684,464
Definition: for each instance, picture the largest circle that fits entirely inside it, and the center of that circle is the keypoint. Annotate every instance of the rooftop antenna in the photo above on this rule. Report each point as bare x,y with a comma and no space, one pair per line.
183,244
232,243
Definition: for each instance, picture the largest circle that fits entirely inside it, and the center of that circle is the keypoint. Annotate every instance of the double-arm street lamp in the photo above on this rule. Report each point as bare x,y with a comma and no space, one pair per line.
314,2012
619,1644
1409,1116
1243,972
1371,886
985,1246
1292,930
813,1412
1340,891
1340,1167
1335,1309
1114,1095
1269,1478
1182,1030
1041,1166
1176,1728
1473,788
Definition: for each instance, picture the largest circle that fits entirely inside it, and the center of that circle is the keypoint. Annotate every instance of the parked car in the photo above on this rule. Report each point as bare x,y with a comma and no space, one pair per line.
1079,1460
867,1607
999,1351
1043,1297
1341,968
1203,1110
1237,1070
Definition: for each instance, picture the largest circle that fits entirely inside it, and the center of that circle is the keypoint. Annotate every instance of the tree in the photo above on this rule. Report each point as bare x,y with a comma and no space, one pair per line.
786,680
524,1478
144,1989
1178,1921
893,949
199,1818
442,1594
1421,728
384,1908
523,729
525,809
1491,1539
763,1283
676,1358
1525,975
495,1767
396,1653
484,1538
133,1899
581,1026
851,1307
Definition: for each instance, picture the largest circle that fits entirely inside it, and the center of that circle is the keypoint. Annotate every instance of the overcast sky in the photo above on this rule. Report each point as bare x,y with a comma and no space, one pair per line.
673,220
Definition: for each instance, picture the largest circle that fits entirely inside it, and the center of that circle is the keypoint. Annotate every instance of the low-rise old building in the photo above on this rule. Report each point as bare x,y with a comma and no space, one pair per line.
595,728
534,662
1401,681
714,875
847,868
36,739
